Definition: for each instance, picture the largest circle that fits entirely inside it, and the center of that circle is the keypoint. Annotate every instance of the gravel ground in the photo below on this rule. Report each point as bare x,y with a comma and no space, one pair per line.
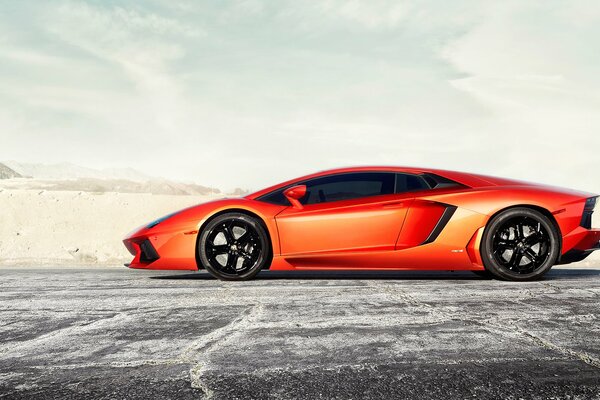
118,333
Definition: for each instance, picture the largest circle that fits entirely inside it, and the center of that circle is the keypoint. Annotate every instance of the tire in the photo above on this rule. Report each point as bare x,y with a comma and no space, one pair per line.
520,244
234,247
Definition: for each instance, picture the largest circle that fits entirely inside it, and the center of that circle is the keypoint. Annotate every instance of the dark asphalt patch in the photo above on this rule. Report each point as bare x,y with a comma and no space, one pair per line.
117,333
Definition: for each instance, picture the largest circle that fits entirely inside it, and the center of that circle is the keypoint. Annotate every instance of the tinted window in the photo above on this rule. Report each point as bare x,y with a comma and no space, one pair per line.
410,183
351,186
348,186
438,182
275,197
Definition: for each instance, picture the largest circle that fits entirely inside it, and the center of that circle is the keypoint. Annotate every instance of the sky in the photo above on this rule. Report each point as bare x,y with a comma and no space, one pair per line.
248,93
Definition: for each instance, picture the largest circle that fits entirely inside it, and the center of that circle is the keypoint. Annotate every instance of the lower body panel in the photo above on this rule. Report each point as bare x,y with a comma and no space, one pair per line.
164,251
586,241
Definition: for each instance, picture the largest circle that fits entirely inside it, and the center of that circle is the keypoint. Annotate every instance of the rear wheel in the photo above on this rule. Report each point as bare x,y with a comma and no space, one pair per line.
234,246
520,244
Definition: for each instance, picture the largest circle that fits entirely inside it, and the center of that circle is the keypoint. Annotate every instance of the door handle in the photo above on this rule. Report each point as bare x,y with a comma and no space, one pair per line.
395,204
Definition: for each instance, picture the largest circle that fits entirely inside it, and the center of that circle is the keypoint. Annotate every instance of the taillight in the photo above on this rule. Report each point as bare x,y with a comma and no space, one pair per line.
588,220
590,203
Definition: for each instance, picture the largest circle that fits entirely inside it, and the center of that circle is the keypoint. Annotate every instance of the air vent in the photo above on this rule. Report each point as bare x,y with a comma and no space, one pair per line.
149,253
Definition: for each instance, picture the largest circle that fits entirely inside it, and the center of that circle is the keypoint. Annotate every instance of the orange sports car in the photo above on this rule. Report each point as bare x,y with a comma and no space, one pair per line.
377,218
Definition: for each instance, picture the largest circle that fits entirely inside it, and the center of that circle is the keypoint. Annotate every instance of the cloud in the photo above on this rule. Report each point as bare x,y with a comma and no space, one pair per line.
136,43
248,92
375,14
530,66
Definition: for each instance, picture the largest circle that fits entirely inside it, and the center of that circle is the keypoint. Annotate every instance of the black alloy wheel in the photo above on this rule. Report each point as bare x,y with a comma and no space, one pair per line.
520,244
234,246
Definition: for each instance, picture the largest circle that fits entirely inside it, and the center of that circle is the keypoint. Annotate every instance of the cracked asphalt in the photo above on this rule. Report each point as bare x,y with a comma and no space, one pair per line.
118,333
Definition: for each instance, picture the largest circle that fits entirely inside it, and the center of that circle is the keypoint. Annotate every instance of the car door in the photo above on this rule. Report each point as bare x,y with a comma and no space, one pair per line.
344,212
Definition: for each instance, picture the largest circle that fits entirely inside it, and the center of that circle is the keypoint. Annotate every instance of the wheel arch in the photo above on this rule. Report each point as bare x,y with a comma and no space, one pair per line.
240,211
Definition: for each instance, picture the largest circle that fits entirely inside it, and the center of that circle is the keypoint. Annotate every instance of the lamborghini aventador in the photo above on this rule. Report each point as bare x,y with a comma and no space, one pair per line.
377,218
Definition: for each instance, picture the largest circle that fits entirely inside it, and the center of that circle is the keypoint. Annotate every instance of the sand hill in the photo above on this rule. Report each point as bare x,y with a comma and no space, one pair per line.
66,214
41,227
68,171
7,173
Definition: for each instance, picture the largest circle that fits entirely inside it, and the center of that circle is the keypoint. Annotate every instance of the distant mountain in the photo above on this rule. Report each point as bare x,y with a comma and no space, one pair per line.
66,176
7,172
122,186
238,192
71,171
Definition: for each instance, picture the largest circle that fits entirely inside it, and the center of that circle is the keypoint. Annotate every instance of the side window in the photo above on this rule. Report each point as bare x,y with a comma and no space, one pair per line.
410,183
348,186
360,184
275,197
437,182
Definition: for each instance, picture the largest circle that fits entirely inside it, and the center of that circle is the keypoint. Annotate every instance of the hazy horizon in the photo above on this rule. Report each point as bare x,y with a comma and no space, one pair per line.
248,93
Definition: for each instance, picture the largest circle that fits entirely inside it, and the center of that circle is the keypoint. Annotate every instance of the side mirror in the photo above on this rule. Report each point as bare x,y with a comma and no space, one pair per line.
294,194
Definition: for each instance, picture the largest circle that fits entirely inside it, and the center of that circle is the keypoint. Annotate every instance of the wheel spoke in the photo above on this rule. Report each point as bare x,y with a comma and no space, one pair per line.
534,238
519,231
227,233
231,262
219,248
248,240
499,252
505,243
515,259
531,256
244,239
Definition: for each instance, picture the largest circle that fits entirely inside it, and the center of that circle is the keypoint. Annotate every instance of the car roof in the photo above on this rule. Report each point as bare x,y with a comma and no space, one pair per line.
464,178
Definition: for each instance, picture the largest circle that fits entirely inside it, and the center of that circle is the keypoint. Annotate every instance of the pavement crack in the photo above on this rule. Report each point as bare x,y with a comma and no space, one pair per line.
59,334
515,330
498,327
222,335
583,356
555,288
214,341
558,289
398,294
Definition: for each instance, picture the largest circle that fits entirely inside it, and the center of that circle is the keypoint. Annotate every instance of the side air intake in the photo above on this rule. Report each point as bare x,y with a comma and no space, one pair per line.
441,224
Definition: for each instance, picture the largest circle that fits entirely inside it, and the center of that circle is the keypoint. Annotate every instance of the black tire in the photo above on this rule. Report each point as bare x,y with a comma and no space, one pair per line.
520,244
234,247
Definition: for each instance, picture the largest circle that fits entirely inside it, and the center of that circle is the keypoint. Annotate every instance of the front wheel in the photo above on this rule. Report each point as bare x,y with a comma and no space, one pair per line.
520,244
234,246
